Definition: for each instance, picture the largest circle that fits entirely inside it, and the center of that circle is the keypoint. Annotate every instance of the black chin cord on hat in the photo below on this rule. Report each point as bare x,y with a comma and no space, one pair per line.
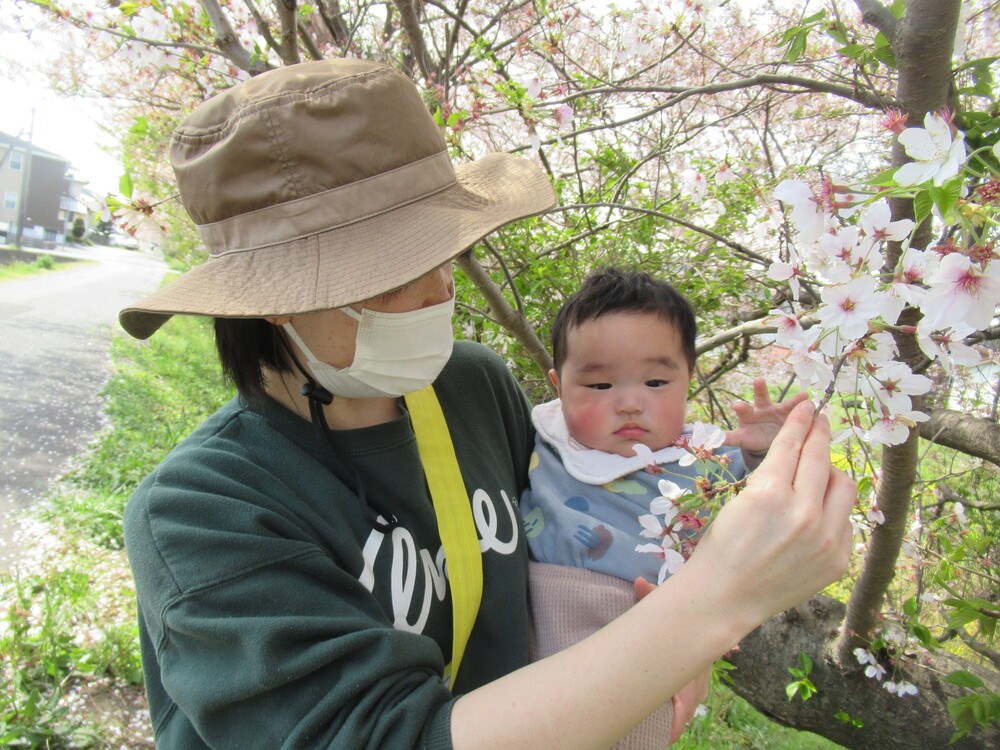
319,397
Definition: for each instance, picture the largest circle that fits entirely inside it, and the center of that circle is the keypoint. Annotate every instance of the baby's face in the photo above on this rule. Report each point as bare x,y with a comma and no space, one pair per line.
624,381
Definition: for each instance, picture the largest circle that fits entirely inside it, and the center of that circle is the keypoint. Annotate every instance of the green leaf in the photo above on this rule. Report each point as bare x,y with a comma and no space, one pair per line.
922,206
853,51
883,50
887,177
923,634
797,47
125,186
806,662
837,32
792,689
910,606
140,126
964,679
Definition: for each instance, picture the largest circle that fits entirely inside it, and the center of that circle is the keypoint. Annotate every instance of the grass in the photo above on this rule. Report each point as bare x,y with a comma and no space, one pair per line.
43,263
70,674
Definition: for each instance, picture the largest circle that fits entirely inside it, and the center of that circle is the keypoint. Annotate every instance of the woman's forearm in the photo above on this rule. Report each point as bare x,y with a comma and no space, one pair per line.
594,692
779,541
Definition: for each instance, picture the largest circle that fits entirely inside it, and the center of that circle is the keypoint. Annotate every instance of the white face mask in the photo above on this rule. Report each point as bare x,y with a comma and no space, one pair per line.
394,354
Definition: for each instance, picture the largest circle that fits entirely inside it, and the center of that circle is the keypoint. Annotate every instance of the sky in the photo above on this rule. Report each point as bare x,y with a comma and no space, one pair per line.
65,126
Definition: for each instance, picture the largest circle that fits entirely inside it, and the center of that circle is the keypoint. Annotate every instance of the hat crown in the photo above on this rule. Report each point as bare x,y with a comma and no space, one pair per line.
297,132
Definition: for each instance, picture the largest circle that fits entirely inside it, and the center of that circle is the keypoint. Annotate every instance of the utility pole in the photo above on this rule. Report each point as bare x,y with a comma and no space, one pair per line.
22,201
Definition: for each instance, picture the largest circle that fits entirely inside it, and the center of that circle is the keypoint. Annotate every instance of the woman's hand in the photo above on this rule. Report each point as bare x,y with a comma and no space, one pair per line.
788,533
775,544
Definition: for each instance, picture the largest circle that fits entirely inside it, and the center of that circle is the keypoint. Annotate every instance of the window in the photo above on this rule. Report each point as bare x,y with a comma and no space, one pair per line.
16,159
9,200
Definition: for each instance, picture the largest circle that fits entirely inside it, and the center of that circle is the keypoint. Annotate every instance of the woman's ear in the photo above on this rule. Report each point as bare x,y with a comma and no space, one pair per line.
279,321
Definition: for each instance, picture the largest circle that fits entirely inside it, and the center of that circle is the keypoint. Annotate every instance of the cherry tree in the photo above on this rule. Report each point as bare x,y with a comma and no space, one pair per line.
822,184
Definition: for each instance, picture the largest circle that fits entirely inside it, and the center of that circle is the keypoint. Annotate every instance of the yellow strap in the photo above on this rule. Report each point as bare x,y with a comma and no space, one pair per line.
454,516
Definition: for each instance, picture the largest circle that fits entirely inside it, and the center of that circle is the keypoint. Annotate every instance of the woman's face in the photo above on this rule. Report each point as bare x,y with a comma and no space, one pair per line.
330,334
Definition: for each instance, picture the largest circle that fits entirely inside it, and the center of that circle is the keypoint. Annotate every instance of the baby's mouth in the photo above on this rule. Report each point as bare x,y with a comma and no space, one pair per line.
630,430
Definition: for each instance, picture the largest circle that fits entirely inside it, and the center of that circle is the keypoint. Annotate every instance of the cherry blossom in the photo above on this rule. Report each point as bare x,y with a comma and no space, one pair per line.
672,559
893,427
894,120
809,363
563,115
962,290
901,688
669,492
790,272
806,216
705,438
937,156
789,330
694,184
913,267
946,345
875,223
849,307
725,174
874,349
874,515
895,378
874,669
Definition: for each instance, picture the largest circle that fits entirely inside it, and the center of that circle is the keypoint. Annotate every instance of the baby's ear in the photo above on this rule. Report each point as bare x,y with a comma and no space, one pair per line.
554,379
279,321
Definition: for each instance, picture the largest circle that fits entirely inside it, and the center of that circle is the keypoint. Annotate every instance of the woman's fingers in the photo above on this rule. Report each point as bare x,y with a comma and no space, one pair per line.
782,461
841,497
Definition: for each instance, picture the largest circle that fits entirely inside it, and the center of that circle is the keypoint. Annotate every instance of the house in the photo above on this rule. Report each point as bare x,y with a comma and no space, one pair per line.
54,194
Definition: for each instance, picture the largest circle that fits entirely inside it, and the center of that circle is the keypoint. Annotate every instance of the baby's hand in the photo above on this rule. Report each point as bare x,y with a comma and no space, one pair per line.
759,422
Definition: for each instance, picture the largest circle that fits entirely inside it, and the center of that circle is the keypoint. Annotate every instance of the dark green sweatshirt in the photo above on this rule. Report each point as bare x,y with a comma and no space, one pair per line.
273,614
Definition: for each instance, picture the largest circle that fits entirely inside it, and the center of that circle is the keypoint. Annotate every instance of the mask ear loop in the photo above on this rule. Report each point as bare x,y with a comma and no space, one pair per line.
319,397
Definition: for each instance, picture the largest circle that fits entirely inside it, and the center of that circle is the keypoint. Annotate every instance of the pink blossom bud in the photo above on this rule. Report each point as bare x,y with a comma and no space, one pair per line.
894,120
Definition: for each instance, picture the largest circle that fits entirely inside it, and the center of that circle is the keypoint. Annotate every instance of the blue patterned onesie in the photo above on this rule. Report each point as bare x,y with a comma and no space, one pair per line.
583,511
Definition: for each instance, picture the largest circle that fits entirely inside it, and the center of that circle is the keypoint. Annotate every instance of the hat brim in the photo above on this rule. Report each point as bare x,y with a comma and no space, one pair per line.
355,262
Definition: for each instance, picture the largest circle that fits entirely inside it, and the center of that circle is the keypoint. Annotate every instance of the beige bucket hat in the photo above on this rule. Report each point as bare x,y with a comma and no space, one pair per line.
323,184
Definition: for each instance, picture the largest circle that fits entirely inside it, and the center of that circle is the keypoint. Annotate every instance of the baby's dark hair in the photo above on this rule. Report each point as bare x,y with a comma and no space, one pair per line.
614,290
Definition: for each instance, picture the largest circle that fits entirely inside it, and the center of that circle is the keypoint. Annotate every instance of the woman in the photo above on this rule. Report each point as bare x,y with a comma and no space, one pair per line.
289,555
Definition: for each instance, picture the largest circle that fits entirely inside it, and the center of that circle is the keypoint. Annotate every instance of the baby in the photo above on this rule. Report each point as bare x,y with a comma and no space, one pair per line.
624,350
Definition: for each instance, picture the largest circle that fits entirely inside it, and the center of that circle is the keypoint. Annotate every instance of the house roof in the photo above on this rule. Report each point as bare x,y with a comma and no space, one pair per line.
10,140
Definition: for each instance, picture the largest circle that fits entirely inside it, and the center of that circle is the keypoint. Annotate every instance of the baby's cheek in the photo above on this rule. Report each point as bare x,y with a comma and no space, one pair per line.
586,421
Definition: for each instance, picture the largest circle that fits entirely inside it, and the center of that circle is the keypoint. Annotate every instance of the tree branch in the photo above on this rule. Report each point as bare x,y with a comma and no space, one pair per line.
514,322
742,249
228,42
873,100
875,14
262,26
289,48
973,436
411,26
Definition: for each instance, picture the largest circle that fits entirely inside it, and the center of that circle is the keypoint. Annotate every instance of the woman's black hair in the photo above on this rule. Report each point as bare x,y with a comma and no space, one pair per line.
614,290
247,347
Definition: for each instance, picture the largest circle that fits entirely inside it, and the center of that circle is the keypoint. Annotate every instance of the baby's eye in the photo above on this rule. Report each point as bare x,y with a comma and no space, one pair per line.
656,383
599,386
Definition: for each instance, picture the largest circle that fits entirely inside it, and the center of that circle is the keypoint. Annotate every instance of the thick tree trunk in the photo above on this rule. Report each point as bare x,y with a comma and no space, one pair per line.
919,722
923,44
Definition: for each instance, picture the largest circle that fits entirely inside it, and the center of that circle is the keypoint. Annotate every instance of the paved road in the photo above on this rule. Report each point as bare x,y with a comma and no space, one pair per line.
54,333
